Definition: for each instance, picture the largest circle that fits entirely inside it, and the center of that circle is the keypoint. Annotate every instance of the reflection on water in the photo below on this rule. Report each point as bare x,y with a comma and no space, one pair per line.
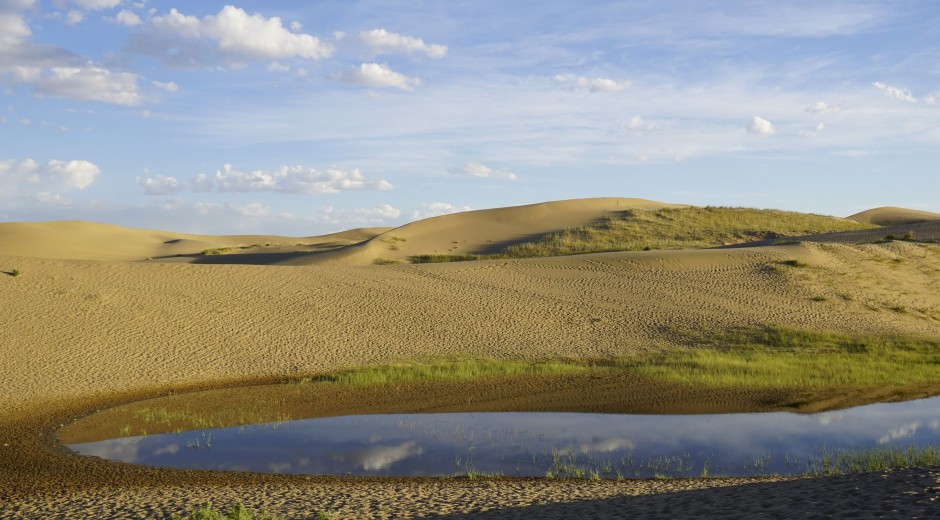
536,444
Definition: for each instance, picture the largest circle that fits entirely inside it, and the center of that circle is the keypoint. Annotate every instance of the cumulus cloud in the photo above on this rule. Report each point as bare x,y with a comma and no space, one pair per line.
127,18
231,36
760,126
475,169
595,84
382,211
435,209
638,123
379,75
895,92
380,41
73,174
160,185
89,83
287,179
94,5
53,71
74,17
823,108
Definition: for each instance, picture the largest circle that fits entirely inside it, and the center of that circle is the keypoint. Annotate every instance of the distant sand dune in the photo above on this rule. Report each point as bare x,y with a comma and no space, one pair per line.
892,216
76,240
479,232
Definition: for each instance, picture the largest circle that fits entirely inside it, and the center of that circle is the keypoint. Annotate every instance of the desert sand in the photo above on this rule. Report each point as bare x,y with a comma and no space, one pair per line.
101,315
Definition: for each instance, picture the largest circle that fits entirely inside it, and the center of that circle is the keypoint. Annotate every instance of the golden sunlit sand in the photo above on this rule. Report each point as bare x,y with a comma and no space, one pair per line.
99,315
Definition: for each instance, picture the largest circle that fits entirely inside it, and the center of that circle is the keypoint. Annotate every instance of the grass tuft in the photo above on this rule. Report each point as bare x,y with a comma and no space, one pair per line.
238,512
14,273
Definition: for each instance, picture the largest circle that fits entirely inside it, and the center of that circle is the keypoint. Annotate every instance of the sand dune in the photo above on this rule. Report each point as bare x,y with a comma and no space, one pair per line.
76,240
83,329
892,216
479,232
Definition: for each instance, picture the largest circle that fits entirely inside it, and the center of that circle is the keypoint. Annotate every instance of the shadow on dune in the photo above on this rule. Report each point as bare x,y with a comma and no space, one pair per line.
242,258
913,493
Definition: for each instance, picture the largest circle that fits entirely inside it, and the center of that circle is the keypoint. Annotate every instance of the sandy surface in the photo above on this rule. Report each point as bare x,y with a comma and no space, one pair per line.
893,216
80,334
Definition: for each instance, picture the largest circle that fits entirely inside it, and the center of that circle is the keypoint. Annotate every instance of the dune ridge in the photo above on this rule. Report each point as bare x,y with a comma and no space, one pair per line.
893,216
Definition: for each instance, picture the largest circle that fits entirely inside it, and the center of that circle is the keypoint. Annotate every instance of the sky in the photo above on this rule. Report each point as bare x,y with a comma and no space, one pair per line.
302,118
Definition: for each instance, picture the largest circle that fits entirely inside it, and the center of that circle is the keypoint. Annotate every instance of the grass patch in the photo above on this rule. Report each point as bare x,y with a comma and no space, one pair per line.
763,357
789,358
437,259
455,370
14,272
238,512
842,462
682,228
384,261
216,251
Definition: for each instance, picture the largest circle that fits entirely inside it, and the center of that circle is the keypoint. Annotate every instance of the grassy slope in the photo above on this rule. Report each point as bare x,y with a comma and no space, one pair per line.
681,228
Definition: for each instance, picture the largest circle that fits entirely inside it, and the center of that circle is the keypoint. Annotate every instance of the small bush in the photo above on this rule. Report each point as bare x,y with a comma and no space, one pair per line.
14,273
238,512
216,251
794,263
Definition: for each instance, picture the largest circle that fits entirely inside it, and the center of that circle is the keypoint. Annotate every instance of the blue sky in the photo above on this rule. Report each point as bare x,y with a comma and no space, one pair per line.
302,118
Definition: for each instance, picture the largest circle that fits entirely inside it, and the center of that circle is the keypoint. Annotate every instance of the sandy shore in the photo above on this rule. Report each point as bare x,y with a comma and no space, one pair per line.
77,335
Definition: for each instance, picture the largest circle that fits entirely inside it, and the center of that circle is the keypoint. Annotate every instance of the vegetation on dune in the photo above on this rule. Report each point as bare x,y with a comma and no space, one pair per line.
790,358
679,228
454,370
14,273
238,512
764,357
226,250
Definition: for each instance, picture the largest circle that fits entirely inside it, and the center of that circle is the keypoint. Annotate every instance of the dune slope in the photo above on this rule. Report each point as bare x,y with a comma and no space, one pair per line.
893,216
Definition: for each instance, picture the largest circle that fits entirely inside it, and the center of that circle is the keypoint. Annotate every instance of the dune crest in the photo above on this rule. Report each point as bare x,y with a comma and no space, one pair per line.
893,216
79,240
481,231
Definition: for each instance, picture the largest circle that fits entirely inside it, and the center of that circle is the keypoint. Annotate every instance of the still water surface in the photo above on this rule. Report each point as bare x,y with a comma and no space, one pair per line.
536,444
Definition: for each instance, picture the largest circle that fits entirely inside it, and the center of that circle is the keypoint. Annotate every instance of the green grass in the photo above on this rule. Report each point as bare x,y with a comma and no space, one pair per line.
454,370
789,358
226,250
682,228
14,273
842,462
761,357
238,512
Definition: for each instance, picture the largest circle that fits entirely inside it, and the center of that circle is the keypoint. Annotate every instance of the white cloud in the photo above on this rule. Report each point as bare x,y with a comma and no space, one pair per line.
160,185
54,71
382,211
760,126
127,18
595,84
278,67
435,209
73,174
380,41
95,5
638,123
288,179
74,17
823,108
168,86
251,209
89,83
895,92
379,75
475,169
232,36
